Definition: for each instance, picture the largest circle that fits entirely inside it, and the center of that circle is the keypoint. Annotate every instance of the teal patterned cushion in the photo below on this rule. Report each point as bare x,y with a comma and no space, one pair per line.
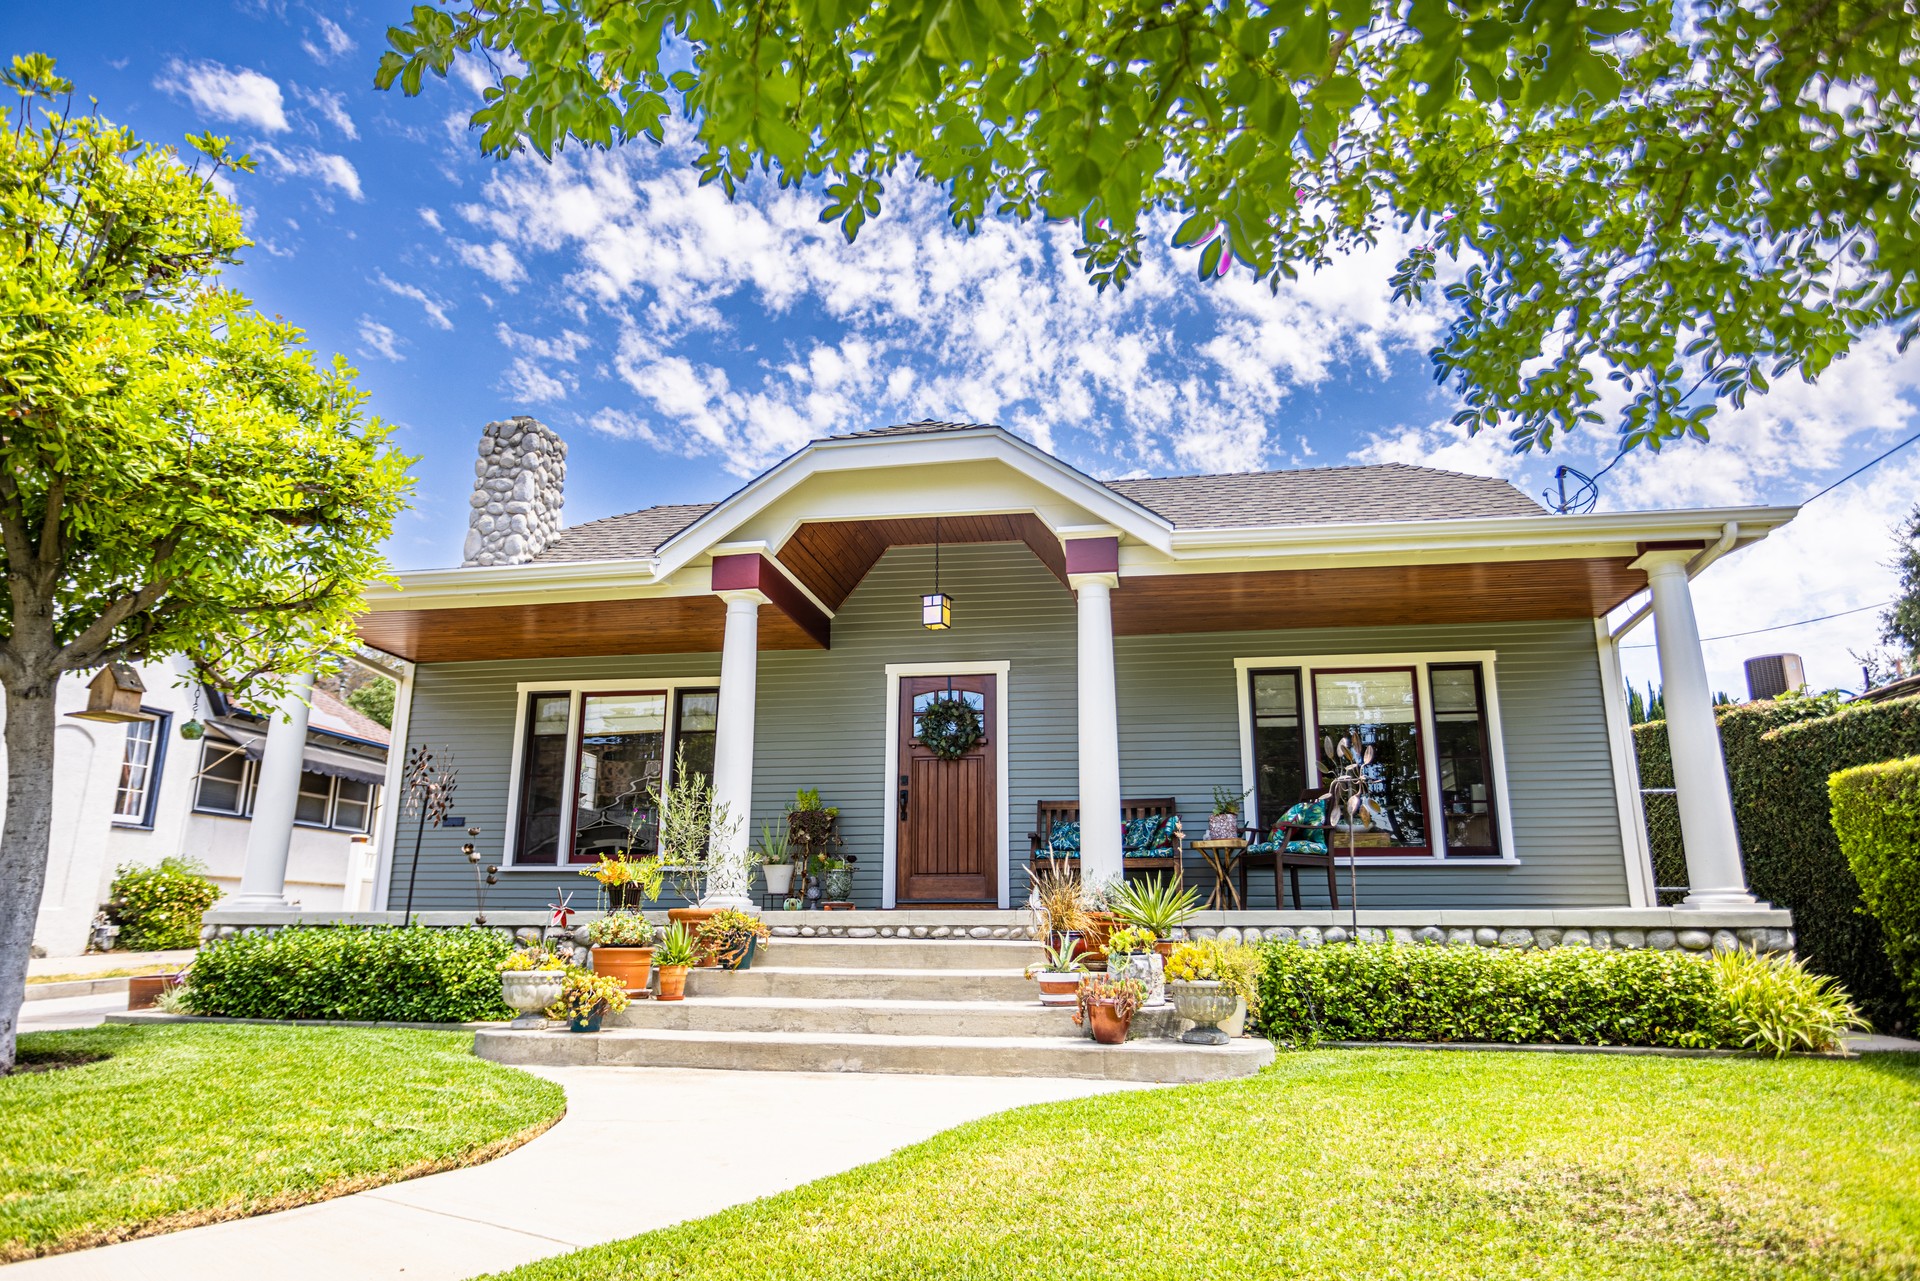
1290,847
1306,814
1064,838
1144,834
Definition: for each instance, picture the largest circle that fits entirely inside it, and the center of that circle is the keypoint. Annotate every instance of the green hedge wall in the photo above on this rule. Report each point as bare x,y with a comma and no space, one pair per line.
1779,756
1876,815
380,974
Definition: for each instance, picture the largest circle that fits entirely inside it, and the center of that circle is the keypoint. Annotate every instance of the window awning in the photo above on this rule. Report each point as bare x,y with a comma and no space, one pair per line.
333,761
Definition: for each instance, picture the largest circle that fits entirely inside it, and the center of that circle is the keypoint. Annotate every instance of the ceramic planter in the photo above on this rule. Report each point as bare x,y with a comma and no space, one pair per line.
1206,1003
673,983
631,965
1235,1024
1108,1027
837,884
530,992
590,1024
738,958
779,877
1059,987
1148,968
1223,827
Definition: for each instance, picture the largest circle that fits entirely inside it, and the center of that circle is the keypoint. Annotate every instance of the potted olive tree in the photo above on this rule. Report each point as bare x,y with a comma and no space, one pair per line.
690,826
623,948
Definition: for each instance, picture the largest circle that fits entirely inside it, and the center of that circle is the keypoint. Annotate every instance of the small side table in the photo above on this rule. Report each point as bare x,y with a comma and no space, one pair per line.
1221,858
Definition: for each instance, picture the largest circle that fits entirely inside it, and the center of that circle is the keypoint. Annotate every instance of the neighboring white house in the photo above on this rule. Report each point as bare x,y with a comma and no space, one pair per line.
140,792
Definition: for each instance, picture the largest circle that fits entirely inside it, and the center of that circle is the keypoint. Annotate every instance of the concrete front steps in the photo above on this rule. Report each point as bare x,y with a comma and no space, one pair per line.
944,1007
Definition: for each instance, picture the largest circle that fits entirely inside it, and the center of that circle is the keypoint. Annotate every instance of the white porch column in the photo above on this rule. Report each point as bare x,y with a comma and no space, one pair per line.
1100,856
728,878
1699,769
263,881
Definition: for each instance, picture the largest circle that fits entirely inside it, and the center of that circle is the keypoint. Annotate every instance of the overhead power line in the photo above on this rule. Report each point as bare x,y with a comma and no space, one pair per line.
1779,627
1856,471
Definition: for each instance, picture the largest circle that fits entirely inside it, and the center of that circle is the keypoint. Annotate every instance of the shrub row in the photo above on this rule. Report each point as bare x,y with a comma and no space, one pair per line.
1876,815
1779,756
383,973
158,908
1565,996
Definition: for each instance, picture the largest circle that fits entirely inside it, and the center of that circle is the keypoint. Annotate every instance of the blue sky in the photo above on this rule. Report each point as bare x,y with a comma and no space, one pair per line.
681,342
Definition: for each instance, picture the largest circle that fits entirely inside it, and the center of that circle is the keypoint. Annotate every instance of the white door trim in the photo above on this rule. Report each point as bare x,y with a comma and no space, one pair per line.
890,795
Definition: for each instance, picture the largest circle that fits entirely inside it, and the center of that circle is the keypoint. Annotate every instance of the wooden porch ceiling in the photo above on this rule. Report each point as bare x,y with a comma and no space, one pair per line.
568,629
1377,595
831,557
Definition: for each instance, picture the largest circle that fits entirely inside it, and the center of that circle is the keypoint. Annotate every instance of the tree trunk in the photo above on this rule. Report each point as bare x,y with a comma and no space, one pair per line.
23,844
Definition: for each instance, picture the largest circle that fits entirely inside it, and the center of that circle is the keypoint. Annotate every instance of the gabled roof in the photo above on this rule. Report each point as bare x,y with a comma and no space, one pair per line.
1311,496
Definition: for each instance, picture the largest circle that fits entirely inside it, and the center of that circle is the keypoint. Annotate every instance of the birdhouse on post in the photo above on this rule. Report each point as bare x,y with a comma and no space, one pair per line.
114,696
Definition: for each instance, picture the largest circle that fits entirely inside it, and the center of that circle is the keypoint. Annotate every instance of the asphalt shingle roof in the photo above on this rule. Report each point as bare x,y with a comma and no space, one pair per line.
1309,496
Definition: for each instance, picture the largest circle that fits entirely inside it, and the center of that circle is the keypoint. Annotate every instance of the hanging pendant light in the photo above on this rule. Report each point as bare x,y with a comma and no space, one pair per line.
936,607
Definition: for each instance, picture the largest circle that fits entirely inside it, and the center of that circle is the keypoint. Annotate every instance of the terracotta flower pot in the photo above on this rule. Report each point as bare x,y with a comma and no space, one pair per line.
1058,988
1108,1027
631,965
1093,942
144,989
673,982
693,918
1164,947
833,906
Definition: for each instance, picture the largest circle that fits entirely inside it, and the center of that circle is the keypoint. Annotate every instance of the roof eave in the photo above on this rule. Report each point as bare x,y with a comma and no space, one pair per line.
484,584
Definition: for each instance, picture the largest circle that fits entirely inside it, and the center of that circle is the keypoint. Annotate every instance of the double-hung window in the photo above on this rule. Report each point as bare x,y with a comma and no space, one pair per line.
224,784
1420,729
590,761
343,804
140,762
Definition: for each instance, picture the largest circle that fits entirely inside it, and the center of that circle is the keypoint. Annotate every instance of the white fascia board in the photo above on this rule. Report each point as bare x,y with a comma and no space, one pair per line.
521,584
1474,538
985,444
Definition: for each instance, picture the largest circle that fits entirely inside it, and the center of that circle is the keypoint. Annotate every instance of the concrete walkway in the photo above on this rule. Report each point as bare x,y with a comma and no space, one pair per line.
94,962
735,1136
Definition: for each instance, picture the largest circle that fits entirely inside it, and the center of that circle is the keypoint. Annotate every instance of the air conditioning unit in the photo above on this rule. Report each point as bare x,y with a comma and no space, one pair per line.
1772,675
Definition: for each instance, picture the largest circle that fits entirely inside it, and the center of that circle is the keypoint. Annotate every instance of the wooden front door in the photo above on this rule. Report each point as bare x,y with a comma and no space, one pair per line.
949,839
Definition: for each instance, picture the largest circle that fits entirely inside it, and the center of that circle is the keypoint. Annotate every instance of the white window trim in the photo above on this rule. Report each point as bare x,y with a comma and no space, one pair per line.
889,791
160,723
245,781
1429,750
332,823
669,685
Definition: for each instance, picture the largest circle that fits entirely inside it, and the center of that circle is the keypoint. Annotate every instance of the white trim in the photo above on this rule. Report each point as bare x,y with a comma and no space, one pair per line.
1429,750
1626,771
890,796
391,800
574,690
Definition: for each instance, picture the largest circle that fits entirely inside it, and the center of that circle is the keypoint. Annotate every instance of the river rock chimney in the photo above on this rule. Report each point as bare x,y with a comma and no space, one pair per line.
518,487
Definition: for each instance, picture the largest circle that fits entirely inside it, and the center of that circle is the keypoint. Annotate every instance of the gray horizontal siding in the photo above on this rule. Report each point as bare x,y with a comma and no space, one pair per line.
822,723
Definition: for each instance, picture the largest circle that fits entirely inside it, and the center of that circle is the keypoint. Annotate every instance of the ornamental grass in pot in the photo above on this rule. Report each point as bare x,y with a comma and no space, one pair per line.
674,954
623,948
1060,972
730,938
586,998
1107,1005
530,979
1157,906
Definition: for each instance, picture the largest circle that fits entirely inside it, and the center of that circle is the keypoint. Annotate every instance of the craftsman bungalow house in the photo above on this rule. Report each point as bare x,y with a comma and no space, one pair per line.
1149,638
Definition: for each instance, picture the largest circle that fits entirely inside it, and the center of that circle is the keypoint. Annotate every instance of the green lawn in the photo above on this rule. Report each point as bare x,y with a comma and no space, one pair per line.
1367,1164
189,1124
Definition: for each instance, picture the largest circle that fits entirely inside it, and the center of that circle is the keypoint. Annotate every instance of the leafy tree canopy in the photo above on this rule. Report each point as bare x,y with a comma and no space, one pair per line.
1691,200
1900,625
374,700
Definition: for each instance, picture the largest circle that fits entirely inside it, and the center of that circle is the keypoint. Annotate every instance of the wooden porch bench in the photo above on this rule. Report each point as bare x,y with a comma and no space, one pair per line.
1166,852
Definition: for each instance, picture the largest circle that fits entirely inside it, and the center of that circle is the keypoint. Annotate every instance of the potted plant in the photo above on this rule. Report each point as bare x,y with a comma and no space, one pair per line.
813,828
1224,823
1157,906
586,998
1107,1004
674,955
1130,955
691,826
730,938
529,982
776,859
625,883
1057,903
1060,972
837,883
623,948
1196,981
793,904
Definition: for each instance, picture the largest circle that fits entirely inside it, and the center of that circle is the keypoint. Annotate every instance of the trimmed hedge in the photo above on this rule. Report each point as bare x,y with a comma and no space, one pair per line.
159,908
1876,815
379,973
1779,757
1567,995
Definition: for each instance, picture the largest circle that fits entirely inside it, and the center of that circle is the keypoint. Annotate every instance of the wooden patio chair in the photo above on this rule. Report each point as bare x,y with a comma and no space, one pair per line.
1301,838
1150,835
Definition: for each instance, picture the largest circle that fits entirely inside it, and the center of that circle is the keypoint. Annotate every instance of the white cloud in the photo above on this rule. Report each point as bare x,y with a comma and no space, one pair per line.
435,308
227,93
566,347
332,108
306,162
431,218
377,339
918,318
531,381
333,43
